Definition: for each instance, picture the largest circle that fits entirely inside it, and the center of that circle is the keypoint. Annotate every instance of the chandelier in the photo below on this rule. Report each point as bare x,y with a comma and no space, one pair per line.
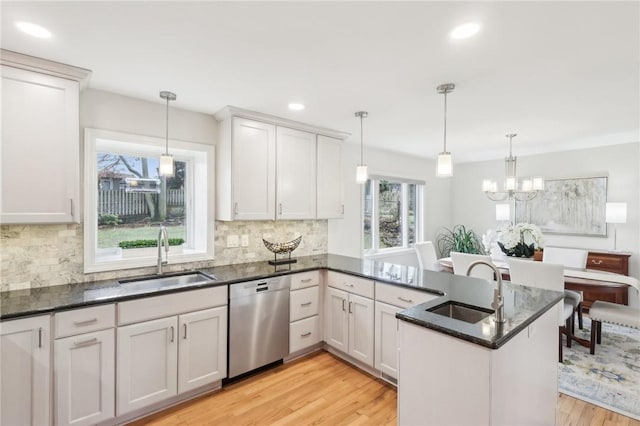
529,189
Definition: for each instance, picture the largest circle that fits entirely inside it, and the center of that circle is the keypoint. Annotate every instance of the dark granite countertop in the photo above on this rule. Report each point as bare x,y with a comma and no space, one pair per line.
522,304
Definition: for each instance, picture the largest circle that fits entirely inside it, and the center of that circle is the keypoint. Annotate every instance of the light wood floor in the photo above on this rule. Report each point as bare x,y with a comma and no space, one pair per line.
321,389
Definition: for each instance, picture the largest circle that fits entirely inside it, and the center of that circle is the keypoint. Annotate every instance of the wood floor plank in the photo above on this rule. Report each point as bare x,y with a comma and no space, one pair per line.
321,389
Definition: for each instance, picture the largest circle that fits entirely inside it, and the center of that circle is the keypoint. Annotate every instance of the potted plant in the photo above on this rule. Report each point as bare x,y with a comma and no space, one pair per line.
459,239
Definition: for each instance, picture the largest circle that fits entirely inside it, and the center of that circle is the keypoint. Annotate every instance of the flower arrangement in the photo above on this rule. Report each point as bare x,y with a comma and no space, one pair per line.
520,240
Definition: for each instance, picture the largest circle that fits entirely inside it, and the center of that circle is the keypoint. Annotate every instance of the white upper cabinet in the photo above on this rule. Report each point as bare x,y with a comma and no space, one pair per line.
268,168
330,198
253,170
295,174
40,152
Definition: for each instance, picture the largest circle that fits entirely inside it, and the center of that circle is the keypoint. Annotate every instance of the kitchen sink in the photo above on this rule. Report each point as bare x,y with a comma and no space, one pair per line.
461,311
163,281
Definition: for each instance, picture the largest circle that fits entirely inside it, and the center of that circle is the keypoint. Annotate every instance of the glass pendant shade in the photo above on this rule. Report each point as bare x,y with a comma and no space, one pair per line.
361,174
527,185
510,183
444,166
166,165
538,183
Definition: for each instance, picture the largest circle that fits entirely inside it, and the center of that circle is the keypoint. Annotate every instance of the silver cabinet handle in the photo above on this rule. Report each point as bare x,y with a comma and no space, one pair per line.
350,311
308,333
71,206
348,285
306,280
405,300
85,342
280,207
185,331
235,208
343,302
86,322
305,304
596,262
40,337
173,334
343,209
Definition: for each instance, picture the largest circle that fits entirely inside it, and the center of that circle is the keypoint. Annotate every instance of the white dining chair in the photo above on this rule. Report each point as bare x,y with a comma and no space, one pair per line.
549,276
570,258
461,262
427,258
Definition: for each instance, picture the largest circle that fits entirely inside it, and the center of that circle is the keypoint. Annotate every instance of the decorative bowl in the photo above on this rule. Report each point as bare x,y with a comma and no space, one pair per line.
282,248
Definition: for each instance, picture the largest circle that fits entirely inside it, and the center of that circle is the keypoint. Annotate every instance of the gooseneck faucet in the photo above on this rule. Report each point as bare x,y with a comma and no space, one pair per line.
498,300
163,238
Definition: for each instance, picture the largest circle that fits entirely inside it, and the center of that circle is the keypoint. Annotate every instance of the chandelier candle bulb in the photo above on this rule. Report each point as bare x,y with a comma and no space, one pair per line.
510,183
487,185
538,183
527,185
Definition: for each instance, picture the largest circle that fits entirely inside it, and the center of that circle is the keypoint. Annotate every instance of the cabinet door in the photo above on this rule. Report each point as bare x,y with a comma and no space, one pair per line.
147,363
336,326
253,168
84,378
39,174
330,198
295,174
361,328
386,339
202,352
25,353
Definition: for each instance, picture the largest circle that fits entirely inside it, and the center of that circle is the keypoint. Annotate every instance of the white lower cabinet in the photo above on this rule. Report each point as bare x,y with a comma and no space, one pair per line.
84,378
162,358
386,338
304,312
147,363
349,324
202,351
25,361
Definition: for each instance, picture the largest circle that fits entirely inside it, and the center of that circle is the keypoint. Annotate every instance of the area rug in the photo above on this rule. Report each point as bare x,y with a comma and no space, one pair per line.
611,377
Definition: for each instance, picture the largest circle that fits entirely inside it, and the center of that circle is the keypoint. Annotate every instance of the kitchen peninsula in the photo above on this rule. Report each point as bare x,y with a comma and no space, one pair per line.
465,354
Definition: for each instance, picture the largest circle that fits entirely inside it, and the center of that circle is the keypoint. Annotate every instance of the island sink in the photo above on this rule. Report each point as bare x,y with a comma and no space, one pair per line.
461,311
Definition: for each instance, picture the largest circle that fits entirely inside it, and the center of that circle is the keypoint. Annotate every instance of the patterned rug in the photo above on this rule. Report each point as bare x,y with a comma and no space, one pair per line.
611,377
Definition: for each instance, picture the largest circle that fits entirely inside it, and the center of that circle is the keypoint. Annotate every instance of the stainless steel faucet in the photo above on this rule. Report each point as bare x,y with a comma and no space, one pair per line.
162,238
498,300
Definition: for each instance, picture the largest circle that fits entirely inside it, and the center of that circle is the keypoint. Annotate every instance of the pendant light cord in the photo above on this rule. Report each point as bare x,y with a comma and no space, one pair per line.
167,130
445,120
361,143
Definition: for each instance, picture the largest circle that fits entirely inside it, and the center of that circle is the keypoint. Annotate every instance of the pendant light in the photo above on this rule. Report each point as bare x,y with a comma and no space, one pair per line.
166,160
444,166
361,171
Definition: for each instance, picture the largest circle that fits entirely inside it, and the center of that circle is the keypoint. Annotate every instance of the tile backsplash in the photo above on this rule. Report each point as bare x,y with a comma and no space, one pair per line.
46,255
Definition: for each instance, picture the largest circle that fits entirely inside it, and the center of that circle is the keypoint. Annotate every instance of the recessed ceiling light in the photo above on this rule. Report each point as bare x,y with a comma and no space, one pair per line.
465,30
294,106
33,29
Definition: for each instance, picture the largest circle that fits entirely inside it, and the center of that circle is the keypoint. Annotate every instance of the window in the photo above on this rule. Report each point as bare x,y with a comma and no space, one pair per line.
391,217
126,201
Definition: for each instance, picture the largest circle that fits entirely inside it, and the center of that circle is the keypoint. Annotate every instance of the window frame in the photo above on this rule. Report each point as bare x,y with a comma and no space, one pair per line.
199,196
375,214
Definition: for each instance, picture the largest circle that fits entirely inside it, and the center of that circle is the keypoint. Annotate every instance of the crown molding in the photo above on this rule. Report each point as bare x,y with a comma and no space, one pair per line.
231,111
44,66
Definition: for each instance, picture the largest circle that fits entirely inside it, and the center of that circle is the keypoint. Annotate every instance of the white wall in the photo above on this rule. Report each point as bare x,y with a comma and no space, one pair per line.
621,163
345,235
106,110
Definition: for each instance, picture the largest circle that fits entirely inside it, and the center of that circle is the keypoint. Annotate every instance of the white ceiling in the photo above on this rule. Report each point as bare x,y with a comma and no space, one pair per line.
562,75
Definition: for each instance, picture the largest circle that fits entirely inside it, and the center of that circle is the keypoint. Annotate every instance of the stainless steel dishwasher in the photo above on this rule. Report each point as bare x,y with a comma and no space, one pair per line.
258,323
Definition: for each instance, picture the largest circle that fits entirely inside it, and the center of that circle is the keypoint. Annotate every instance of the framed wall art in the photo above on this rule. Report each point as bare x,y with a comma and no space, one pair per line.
573,206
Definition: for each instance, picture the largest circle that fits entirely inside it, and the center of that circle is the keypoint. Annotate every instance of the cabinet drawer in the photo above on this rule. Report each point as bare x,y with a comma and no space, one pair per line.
303,303
171,304
303,333
84,320
350,283
401,296
305,279
606,263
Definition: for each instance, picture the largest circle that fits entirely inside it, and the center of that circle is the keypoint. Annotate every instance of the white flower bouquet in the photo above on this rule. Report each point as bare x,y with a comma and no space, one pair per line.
520,240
